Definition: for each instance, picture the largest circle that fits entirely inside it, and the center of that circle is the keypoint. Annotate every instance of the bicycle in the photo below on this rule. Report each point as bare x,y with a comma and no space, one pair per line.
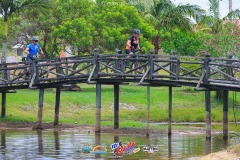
134,64
30,70
129,63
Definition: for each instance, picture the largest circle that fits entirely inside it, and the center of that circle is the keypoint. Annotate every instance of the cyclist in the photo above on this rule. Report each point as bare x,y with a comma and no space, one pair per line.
133,43
32,51
33,48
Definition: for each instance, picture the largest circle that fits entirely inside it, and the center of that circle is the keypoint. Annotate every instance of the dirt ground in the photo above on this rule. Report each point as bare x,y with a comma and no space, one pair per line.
228,154
91,129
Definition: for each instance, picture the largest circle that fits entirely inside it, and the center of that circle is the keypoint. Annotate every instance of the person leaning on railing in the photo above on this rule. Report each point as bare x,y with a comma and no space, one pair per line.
33,49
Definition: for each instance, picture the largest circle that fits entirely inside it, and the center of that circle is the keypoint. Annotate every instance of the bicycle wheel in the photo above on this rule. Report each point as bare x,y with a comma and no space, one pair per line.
138,67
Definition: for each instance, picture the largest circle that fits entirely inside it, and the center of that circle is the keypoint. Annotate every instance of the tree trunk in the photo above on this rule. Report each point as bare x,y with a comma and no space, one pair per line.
44,45
230,6
155,42
4,42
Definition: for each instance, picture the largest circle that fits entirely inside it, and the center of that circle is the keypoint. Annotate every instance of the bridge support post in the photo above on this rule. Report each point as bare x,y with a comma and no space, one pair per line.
206,67
225,115
170,112
40,108
148,110
98,109
208,114
57,105
116,106
4,97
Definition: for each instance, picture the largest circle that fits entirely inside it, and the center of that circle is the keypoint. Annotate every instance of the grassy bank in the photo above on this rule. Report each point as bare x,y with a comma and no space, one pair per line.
79,107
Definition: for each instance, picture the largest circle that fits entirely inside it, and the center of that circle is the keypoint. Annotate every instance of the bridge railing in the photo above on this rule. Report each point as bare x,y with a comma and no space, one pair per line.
65,69
17,74
224,71
175,67
122,66
145,68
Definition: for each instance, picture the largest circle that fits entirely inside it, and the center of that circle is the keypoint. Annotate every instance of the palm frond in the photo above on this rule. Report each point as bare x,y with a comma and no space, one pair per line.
7,7
175,19
194,11
214,8
202,28
233,15
151,19
161,6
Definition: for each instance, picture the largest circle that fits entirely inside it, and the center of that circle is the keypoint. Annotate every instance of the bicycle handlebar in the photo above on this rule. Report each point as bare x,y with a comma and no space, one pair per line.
136,50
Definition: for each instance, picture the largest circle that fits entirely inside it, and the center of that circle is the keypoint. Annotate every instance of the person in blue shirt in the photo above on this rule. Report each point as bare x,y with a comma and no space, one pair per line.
33,49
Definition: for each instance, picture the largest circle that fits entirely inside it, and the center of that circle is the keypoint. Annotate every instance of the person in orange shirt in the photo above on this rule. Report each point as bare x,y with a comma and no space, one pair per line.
133,43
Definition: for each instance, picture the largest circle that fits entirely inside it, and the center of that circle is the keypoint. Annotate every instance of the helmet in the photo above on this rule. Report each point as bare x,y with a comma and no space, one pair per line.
34,38
137,31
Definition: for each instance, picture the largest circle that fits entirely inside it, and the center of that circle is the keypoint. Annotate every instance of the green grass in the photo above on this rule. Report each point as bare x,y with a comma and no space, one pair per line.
79,107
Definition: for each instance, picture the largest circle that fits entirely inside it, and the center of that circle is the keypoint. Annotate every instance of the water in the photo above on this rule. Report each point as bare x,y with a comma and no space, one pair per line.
44,145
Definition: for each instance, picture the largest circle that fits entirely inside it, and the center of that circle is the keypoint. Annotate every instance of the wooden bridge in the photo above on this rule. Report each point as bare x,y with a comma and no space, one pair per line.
204,73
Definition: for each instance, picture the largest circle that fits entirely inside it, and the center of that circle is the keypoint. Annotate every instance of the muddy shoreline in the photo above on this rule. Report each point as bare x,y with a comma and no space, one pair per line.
91,129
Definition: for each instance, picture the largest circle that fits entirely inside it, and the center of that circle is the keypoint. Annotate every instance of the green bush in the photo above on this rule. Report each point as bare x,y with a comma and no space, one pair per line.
184,43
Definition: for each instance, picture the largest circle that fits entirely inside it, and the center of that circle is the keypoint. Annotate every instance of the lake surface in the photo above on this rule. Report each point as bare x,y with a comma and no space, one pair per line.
45,145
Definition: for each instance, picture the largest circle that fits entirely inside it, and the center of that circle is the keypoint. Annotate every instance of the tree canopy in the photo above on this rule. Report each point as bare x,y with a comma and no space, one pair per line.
83,25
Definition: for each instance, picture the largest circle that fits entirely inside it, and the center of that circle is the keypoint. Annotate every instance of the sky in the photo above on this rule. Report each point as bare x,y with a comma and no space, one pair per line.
204,4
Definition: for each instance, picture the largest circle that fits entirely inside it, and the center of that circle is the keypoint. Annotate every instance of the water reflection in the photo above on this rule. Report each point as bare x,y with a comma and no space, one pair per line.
169,146
208,146
97,142
3,142
40,142
66,145
56,143
116,138
225,143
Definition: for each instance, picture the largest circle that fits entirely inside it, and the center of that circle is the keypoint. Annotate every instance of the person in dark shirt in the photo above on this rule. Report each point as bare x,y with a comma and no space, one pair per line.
133,43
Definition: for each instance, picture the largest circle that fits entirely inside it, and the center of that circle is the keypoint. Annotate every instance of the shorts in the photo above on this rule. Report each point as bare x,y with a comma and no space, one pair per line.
31,57
128,51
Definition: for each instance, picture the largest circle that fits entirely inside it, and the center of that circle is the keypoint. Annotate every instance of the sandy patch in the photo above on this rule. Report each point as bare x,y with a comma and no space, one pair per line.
221,155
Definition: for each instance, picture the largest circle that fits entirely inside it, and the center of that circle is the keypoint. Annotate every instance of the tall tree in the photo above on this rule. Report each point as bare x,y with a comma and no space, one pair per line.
7,9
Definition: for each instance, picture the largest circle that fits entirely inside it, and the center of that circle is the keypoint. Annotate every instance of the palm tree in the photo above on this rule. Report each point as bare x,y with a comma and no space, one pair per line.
163,14
8,8
214,8
233,15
